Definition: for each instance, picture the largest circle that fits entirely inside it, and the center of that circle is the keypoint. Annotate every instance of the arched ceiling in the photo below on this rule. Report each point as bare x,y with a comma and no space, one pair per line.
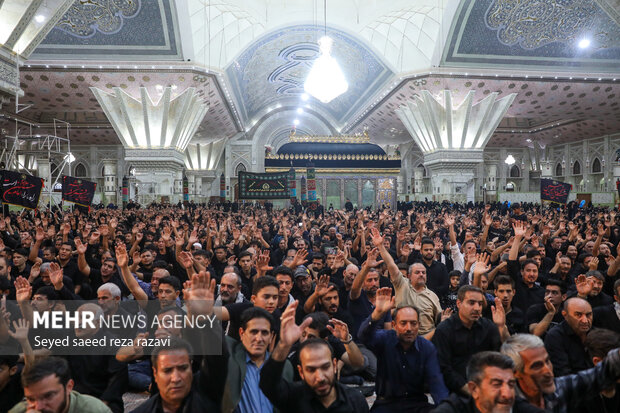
242,55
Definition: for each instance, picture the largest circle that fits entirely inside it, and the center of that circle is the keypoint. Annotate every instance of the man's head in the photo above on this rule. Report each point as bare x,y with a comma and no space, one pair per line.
158,274
245,261
556,243
417,275
8,368
85,329
331,300
168,291
405,322
371,284
303,281
565,265
455,278
599,342
318,262
265,292
284,275
19,257
597,280
172,370
617,291
44,298
167,325
230,285
555,290
491,382
4,268
571,252
317,366
47,386
349,274
427,249
533,368
109,298
505,290
108,267
470,302
220,253
578,314
256,331
529,272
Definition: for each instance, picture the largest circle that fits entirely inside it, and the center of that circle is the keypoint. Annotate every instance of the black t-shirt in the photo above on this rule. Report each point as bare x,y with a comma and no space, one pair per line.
293,355
12,393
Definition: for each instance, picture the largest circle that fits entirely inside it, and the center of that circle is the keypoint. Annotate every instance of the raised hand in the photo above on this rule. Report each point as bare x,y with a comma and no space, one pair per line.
200,296
262,264
121,255
187,260
300,257
81,248
21,327
447,313
519,228
23,289
593,264
376,238
384,300
499,315
165,234
35,270
584,286
371,259
55,273
289,331
482,263
549,306
322,285
339,329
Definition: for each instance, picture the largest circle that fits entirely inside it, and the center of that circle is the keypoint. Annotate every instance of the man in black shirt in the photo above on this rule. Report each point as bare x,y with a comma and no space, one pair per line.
527,292
320,390
608,316
564,342
464,334
541,317
437,277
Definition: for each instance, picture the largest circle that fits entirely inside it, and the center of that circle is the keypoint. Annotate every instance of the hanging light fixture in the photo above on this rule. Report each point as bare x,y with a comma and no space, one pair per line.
326,80
510,160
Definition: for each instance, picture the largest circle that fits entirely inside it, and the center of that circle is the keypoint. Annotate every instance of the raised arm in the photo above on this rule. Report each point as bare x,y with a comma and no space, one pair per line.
128,279
82,264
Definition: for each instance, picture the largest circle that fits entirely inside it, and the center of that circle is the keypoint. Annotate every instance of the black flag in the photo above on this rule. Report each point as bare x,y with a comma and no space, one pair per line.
21,189
78,191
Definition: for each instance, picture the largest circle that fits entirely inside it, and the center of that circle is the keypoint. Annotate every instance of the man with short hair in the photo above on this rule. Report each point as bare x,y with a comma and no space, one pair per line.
284,275
407,364
465,334
242,393
527,291
437,276
247,272
608,316
320,390
538,386
48,388
491,383
230,290
592,289
543,316
564,342
412,291
504,290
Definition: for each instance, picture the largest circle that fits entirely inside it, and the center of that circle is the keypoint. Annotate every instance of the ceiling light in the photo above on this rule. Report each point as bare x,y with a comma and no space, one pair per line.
584,43
326,80
300,111
510,160
304,96
69,158
296,122
39,18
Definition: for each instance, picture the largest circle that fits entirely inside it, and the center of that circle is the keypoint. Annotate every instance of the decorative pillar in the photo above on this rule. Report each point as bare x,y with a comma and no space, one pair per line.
222,188
198,188
109,180
154,136
451,138
191,186
418,176
125,191
304,190
491,183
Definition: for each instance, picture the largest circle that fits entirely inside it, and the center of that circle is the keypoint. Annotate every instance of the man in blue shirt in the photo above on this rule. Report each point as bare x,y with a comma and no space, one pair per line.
406,362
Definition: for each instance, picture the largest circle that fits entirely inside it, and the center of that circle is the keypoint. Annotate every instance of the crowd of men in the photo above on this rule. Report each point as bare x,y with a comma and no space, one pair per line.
444,307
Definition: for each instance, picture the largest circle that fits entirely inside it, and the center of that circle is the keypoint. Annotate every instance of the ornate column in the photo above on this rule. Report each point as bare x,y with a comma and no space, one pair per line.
191,186
155,136
451,138
418,176
491,183
110,187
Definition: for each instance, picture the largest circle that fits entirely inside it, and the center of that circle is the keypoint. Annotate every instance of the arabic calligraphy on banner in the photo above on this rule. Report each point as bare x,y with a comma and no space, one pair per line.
78,191
21,189
554,191
263,185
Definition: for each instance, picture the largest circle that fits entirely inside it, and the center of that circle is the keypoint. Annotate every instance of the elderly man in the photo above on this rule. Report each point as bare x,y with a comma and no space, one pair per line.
536,382
412,291
230,290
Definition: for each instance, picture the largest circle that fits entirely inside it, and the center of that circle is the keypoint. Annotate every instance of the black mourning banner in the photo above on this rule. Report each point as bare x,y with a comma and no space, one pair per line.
78,191
554,191
21,189
263,186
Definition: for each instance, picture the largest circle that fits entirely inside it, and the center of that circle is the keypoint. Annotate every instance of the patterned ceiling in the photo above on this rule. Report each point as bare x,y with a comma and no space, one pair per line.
275,68
111,30
386,49
65,95
584,109
534,33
